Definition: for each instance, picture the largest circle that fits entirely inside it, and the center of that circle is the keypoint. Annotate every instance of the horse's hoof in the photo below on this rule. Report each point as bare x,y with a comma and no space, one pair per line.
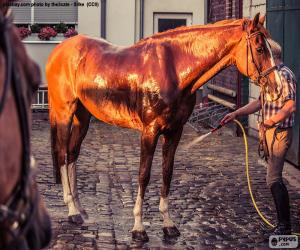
75,219
171,232
140,236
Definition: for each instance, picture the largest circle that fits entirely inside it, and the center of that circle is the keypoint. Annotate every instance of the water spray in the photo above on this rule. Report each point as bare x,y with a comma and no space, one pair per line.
202,137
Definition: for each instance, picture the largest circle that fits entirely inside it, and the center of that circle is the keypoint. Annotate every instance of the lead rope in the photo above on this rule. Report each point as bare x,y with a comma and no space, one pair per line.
263,150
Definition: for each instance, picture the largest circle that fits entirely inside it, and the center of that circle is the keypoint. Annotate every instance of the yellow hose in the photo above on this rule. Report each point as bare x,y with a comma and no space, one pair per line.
248,178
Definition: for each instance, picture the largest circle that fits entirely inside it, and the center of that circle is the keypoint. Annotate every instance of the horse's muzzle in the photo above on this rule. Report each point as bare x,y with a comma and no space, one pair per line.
39,235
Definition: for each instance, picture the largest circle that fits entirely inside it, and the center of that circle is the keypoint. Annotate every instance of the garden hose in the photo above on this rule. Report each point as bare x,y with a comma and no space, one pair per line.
248,178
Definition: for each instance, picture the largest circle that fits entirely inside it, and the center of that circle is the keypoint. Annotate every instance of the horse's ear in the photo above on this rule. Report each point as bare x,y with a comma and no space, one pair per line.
244,25
262,19
255,21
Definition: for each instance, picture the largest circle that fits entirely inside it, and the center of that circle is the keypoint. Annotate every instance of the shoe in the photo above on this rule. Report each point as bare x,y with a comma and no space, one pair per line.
282,229
281,200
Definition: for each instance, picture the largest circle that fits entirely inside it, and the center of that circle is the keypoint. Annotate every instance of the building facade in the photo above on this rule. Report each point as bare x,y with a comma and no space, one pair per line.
121,22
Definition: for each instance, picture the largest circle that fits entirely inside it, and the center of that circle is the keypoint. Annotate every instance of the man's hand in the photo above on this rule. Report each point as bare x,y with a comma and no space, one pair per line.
229,117
269,123
245,110
287,110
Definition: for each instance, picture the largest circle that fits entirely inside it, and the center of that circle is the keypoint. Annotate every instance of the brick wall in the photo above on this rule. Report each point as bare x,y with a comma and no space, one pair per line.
220,10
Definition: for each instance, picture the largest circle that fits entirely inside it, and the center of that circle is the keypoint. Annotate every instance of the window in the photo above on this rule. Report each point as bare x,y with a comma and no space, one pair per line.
167,24
163,22
45,12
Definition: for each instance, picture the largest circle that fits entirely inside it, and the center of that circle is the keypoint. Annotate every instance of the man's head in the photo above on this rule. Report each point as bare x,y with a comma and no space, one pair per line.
276,50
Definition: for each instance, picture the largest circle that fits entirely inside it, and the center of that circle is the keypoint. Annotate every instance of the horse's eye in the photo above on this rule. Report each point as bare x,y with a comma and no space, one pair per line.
260,50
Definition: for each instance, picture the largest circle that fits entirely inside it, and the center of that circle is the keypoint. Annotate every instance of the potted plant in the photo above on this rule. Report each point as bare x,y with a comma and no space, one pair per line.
46,33
24,32
70,32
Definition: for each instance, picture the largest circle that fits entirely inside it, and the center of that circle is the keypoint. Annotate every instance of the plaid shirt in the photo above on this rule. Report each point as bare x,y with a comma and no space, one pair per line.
288,80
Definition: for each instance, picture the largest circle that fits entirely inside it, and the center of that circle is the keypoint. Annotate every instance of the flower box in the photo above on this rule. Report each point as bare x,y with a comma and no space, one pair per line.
44,33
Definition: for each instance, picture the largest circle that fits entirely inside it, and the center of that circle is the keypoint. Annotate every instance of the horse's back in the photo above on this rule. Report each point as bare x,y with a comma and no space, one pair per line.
64,61
70,51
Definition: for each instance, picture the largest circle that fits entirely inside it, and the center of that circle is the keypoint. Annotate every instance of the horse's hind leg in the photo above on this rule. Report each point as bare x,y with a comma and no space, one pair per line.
79,129
148,145
61,121
170,144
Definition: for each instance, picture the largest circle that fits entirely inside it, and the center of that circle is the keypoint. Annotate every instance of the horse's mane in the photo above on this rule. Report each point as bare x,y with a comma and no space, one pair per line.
179,30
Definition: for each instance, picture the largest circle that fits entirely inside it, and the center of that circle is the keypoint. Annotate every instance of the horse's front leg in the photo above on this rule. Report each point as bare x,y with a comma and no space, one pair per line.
170,144
148,143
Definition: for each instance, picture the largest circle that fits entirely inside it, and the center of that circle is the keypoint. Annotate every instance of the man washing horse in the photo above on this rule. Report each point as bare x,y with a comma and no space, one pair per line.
276,133
149,86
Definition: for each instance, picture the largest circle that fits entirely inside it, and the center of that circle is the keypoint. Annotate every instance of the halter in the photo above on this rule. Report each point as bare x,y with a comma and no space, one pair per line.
17,214
262,79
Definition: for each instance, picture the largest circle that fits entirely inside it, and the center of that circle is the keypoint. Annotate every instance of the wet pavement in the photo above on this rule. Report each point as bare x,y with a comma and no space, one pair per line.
209,199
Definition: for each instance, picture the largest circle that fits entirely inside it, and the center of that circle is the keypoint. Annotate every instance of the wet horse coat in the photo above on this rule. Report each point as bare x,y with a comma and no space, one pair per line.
149,86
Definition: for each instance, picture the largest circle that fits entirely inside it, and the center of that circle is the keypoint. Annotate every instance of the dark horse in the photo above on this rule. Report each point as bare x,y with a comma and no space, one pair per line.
24,222
149,86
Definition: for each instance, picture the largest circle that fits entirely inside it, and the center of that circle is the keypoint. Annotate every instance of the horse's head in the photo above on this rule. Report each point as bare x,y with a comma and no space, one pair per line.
24,221
253,56
38,234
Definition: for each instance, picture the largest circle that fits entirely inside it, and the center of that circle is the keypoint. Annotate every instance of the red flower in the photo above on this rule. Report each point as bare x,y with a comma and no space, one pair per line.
46,33
24,32
70,32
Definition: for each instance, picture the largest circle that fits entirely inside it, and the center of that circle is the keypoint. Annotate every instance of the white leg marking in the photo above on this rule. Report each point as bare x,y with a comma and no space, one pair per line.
164,210
138,213
73,186
68,198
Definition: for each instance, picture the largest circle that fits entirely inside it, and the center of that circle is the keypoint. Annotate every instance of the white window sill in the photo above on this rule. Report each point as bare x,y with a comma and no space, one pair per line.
33,38
42,41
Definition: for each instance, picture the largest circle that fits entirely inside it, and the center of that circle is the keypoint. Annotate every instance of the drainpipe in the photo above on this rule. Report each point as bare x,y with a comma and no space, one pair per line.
142,4
239,75
208,11
103,19
240,9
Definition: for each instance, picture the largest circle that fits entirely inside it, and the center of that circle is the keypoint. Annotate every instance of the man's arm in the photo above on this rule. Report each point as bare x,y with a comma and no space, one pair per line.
288,108
250,108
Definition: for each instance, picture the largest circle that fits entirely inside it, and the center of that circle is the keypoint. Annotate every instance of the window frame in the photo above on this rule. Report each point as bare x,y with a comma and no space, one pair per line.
32,18
188,16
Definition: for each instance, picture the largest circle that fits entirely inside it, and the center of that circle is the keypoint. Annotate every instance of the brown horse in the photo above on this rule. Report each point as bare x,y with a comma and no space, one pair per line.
24,222
149,86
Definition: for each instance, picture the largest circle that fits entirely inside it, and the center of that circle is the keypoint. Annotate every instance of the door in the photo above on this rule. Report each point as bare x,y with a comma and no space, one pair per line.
283,18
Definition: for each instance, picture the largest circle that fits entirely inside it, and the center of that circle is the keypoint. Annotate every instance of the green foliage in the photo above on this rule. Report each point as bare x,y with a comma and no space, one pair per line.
61,28
35,28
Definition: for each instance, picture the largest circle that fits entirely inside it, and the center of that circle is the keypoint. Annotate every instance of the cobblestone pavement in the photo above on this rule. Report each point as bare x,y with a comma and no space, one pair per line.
209,197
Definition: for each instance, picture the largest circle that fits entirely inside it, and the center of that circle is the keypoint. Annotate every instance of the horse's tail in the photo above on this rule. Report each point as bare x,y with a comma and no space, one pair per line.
53,132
